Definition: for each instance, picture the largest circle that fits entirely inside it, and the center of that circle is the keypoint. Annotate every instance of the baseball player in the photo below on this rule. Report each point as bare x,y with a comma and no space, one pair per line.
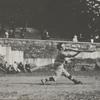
63,55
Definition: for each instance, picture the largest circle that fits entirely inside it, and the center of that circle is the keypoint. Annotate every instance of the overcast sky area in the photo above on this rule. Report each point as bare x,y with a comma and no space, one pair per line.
58,16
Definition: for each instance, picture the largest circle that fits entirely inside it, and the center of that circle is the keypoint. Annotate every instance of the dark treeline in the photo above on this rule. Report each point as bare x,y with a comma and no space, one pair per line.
63,17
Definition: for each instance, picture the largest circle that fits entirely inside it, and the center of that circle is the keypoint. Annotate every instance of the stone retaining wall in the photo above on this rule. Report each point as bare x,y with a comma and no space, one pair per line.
43,52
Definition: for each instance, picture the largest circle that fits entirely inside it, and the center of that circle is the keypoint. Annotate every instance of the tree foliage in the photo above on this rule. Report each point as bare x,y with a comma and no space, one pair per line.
92,9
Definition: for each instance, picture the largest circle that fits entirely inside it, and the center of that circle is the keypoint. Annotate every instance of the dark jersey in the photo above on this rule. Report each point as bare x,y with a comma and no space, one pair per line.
63,54
60,58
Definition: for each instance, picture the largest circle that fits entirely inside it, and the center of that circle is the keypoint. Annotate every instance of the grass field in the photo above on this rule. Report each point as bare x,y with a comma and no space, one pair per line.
27,86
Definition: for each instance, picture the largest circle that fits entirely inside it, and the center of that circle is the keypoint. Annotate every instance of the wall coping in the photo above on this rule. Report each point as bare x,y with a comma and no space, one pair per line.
57,41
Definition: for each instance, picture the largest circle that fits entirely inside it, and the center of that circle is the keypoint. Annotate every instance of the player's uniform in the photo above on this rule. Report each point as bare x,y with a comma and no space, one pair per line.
59,67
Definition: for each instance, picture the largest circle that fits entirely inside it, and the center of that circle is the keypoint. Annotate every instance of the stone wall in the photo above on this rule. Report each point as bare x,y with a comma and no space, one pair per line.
32,48
43,52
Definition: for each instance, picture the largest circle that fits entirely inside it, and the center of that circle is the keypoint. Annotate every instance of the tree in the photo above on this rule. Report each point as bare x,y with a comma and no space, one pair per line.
92,9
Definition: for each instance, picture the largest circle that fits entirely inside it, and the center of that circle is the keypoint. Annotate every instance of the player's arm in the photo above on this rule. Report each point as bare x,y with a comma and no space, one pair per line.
78,50
76,54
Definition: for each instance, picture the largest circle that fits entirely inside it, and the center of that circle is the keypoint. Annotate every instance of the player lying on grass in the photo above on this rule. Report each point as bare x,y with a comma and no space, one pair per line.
64,54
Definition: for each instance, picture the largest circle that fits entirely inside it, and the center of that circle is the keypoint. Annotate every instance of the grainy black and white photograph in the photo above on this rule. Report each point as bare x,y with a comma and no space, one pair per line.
49,49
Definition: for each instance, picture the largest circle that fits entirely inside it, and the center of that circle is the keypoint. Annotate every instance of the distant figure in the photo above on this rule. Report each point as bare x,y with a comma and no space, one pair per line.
22,34
10,69
97,38
27,67
45,35
6,34
80,37
92,39
15,66
6,65
75,39
21,67
11,33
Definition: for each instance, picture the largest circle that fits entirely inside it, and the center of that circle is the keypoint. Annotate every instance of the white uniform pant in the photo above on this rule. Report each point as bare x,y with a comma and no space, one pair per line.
60,71
16,68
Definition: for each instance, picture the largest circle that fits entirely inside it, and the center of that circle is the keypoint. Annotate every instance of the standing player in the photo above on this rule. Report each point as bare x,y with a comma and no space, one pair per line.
63,55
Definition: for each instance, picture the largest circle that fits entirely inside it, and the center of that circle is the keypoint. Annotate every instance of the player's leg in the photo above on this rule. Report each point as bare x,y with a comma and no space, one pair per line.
69,76
74,80
58,73
52,78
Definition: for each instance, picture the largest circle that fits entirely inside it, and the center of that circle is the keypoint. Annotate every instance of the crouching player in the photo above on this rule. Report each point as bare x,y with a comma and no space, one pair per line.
64,54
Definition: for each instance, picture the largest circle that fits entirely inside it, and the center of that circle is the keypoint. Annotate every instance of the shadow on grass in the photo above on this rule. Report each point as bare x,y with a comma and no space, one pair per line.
52,84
